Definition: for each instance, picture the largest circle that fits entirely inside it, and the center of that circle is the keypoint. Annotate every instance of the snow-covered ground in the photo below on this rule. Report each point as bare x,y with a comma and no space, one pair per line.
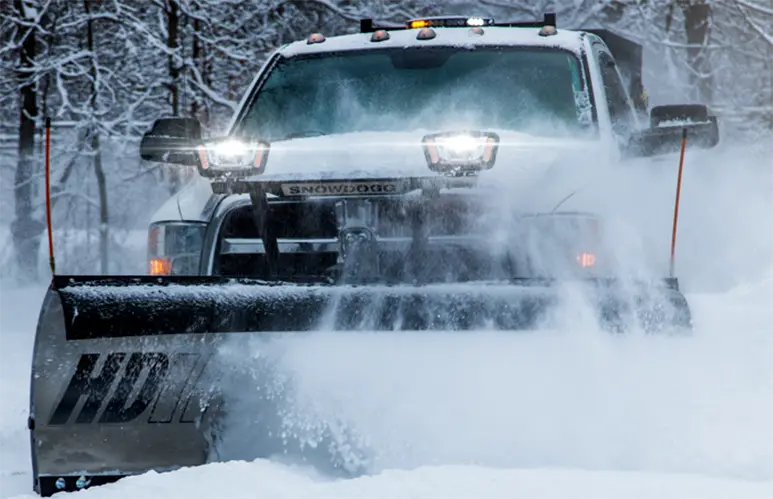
18,316
580,415
264,479
576,413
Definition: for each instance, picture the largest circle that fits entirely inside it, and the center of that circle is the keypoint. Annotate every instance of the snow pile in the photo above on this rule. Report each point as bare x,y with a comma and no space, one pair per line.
18,315
265,479
580,399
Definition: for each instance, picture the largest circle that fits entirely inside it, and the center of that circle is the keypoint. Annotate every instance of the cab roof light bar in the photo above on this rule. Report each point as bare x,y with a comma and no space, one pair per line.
367,25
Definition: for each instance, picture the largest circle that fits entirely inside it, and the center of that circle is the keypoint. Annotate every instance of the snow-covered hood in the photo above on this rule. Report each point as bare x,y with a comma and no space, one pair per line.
396,154
527,166
536,171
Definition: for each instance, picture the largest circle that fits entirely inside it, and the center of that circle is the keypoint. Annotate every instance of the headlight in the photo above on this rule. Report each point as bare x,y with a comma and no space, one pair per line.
460,152
174,248
232,158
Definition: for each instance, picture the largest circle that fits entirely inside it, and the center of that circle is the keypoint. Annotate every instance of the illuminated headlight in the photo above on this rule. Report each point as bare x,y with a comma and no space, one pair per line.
232,158
455,152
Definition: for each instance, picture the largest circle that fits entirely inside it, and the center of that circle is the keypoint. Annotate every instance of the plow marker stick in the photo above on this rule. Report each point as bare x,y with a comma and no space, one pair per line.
676,203
51,260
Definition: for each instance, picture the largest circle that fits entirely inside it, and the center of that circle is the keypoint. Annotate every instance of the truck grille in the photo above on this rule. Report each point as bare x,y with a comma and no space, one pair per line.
317,220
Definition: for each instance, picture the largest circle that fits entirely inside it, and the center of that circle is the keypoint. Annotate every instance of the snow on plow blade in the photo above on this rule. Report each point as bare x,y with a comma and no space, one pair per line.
126,373
97,307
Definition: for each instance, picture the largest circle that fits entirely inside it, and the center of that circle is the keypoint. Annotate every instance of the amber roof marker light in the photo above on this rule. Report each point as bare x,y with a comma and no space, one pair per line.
315,38
426,34
548,31
379,35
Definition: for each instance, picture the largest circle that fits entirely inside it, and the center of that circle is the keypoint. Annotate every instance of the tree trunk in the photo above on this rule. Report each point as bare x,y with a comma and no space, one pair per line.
104,227
26,229
185,174
196,56
96,150
697,24
173,44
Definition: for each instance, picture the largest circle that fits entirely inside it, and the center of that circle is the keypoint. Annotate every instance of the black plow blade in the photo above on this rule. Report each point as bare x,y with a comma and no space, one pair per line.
113,307
132,374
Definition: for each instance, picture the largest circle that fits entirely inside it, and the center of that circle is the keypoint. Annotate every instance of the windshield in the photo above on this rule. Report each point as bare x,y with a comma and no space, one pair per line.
533,90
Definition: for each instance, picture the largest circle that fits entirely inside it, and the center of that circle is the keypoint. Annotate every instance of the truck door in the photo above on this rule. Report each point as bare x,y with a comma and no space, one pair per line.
621,111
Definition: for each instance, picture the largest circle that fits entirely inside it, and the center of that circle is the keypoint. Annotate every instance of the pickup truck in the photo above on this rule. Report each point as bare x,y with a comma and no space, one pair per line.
401,178
345,105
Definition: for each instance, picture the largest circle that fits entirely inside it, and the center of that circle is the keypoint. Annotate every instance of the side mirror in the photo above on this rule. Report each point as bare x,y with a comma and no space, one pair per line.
667,124
171,140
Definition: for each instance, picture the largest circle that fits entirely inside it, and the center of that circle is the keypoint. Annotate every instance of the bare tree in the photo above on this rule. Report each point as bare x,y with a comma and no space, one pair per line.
26,229
697,27
758,18
93,131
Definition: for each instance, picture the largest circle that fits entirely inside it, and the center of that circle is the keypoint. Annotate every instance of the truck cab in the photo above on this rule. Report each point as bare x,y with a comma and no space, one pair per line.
329,106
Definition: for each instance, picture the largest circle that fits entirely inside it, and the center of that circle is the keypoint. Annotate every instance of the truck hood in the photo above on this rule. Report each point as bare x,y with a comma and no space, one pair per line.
398,154
534,172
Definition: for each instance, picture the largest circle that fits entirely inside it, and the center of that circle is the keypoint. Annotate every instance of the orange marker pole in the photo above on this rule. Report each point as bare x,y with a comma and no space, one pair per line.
51,260
676,203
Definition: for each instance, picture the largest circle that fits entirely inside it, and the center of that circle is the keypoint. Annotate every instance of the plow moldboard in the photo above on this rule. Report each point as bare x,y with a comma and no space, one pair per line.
126,375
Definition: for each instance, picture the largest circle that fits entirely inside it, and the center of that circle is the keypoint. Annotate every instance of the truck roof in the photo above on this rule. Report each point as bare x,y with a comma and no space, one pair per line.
444,36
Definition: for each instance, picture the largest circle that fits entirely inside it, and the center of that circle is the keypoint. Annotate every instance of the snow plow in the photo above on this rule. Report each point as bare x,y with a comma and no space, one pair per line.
303,219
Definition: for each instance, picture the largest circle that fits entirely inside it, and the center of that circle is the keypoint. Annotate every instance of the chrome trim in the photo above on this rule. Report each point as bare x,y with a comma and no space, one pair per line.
242,246
246,246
